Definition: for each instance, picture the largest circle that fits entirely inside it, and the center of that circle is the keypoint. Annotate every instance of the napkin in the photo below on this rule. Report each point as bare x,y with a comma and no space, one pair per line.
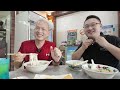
65,76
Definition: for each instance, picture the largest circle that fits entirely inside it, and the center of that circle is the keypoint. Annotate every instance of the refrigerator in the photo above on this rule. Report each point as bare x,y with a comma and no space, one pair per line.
24,28
69,51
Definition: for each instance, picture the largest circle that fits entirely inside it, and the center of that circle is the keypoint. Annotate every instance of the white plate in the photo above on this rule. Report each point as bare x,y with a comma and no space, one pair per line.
21,77
74,69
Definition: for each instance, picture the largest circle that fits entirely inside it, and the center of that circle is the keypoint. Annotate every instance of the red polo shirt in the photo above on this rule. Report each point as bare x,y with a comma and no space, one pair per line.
30,47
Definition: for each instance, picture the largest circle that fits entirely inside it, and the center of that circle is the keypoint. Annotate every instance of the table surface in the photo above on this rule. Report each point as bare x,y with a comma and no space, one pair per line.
54,70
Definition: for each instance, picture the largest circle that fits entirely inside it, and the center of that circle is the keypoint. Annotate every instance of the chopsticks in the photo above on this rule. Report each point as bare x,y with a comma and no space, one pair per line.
15,53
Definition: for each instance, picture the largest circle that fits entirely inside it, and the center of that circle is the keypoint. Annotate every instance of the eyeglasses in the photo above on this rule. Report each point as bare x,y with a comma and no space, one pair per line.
42,29
93,25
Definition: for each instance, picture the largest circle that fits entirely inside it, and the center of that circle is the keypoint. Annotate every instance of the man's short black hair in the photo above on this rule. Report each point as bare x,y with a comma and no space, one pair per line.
93,16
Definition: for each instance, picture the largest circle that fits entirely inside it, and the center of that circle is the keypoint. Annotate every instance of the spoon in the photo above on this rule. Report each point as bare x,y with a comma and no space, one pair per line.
93,67
92,61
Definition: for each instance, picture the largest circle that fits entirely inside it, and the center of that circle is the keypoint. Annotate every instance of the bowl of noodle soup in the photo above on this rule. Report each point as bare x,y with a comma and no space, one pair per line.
36,66
100,71
75,64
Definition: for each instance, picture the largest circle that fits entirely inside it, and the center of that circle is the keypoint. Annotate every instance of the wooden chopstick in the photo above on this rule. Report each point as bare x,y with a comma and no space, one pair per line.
15,53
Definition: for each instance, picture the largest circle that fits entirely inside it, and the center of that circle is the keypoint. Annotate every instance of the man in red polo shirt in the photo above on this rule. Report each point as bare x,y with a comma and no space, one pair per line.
46,50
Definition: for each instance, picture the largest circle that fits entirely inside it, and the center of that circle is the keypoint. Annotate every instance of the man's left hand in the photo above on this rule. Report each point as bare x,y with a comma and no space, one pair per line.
101,41
56,54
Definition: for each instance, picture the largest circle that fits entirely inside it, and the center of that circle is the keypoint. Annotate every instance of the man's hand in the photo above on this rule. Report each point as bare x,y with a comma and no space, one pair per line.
55,53
101,41
87,43
18,56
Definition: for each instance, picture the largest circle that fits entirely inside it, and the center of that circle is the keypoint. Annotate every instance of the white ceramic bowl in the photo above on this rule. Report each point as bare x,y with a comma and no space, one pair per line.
75,64
100,73
41,66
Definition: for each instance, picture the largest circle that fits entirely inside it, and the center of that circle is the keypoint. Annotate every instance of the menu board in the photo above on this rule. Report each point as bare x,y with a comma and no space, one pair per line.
108,29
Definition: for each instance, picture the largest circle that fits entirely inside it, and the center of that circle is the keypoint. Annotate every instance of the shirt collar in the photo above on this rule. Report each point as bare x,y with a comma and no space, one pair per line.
101,34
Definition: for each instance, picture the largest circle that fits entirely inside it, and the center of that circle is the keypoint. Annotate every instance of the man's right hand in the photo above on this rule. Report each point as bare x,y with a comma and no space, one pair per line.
87,43
18,56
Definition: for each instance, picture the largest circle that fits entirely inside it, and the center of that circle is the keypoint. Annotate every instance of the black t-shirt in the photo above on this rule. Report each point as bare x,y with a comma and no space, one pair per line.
99,54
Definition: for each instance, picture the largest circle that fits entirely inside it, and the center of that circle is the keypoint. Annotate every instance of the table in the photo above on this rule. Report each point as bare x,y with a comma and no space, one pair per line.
54,70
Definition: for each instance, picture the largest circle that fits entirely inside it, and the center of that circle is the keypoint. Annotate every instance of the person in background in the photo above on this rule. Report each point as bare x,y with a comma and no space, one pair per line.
45,49
3,43
1,24
103,49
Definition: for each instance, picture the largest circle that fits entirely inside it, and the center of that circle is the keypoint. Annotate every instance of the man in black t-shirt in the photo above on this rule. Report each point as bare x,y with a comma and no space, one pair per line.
103,49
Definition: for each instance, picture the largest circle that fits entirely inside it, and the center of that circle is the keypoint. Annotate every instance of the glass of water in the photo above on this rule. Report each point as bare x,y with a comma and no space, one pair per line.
4,68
